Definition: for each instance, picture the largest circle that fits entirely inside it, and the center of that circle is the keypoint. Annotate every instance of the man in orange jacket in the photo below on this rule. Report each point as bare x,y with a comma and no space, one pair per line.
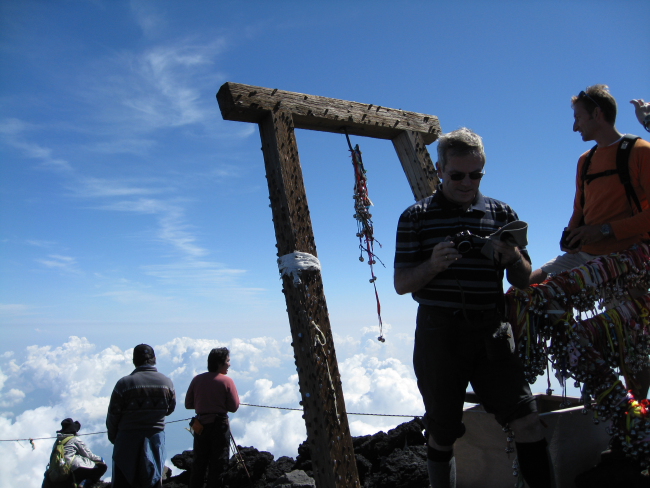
604,220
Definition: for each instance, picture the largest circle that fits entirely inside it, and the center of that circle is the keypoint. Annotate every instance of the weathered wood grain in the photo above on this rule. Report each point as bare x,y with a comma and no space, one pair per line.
416,163
278,113
328,433
246,103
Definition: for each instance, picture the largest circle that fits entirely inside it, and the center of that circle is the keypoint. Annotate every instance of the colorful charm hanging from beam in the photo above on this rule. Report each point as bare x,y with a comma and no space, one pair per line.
365,231
595,351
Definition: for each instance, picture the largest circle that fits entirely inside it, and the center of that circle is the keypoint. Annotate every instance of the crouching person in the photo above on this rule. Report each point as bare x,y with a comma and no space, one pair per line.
72,463
212,395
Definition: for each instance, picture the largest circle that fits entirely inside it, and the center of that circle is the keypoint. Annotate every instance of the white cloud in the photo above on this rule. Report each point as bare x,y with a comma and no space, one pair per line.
275,431
13,309
44,384
62,263
135,296
13,133
40,243
172,227
147,18
11,398
100,187
161,86
264,393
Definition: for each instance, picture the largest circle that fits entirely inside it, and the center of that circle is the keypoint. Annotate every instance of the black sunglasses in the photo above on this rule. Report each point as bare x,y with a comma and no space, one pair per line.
474,175
584,94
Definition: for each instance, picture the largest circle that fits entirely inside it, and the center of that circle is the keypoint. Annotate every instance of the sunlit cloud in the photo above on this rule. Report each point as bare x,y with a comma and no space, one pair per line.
11,398
137,147
44,384
134,296
40,243
173,229
13,309
100,187
63,263
161,86
147,17
13,134
171,218
199,272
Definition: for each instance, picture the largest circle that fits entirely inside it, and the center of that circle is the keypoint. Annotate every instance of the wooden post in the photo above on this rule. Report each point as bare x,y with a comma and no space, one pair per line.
278,113
416,163
328,433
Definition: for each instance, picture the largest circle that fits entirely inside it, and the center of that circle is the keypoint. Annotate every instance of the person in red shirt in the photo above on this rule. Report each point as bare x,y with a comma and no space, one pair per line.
212,395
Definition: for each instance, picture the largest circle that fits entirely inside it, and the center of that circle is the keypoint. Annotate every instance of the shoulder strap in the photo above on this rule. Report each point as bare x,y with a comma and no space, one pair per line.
623,168
66,440
583,174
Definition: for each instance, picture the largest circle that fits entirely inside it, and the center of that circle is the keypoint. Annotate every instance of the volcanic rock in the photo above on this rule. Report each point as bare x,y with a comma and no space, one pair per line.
396,459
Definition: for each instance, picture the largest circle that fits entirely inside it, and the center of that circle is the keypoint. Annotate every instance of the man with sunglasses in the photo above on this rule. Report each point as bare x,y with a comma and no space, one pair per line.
604,220
459,337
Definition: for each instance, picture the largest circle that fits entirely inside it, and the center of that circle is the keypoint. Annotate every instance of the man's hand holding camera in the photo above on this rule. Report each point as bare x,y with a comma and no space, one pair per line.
410,280
443,255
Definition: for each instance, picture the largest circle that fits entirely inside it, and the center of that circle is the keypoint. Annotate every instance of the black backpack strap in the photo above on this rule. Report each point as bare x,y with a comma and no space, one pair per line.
623,168
583,174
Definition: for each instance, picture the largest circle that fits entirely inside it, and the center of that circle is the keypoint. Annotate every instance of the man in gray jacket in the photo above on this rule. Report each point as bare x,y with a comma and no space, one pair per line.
136,422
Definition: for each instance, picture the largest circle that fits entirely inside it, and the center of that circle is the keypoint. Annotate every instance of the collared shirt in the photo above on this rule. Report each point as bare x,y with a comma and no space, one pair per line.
474,282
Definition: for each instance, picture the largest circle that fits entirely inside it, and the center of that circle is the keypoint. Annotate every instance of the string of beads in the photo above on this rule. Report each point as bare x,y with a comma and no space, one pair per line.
365,229
592,324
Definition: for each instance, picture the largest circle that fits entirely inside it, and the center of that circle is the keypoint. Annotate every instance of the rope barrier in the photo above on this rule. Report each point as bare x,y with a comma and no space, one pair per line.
31,439
348,413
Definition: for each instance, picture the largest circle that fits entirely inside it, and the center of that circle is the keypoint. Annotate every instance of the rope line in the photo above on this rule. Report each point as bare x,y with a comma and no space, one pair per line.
348,413
30,439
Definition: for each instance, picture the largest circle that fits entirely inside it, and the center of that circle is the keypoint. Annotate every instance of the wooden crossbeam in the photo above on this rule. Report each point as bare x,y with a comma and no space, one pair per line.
278,113
246,103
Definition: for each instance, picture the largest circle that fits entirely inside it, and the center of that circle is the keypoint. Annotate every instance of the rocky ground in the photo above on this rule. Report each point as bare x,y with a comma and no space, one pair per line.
396,459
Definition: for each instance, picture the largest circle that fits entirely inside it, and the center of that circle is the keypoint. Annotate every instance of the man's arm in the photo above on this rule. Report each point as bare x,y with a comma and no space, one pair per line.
189,396
84,451
577,217
518,268
113,416
232,399
172,401
409,280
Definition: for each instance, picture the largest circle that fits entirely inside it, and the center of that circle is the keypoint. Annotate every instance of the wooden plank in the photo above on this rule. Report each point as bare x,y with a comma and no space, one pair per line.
328,432
416,163
246,103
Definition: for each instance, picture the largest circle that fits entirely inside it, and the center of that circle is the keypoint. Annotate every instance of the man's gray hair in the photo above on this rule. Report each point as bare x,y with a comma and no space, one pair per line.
461,142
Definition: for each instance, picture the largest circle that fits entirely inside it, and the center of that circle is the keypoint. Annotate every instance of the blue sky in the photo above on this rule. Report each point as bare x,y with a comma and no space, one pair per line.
131,212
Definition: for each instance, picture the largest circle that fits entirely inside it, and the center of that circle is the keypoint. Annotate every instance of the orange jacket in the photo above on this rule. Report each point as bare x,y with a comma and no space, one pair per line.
606,202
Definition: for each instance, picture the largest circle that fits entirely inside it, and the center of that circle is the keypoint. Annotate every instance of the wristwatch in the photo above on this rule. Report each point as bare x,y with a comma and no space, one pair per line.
646,122
606,230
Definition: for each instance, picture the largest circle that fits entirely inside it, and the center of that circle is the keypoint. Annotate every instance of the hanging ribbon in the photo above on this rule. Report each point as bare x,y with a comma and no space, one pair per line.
365,231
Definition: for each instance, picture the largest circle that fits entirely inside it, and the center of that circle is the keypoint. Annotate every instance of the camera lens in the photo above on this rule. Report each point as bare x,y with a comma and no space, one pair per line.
464,247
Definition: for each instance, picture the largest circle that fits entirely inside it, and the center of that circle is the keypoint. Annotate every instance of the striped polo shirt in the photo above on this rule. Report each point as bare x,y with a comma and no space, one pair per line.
474,282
